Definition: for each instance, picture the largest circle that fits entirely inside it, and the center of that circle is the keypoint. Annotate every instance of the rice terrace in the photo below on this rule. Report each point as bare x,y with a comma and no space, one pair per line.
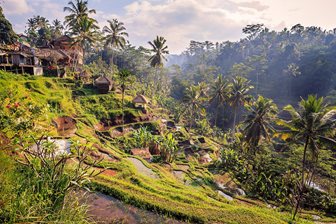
168,111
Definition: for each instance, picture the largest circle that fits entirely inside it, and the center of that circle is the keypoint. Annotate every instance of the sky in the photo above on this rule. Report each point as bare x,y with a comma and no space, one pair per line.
180,21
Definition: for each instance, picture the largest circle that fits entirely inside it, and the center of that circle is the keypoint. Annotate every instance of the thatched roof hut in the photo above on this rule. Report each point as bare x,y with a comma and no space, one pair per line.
104,84
140,101
53,56
83,75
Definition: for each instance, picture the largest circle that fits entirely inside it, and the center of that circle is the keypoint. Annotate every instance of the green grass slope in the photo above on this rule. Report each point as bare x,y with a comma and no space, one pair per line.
195,200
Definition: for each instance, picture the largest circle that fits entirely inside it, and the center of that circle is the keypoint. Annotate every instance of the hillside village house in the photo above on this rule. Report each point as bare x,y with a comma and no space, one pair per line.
20,62
140,101
74,51
59,54
104,84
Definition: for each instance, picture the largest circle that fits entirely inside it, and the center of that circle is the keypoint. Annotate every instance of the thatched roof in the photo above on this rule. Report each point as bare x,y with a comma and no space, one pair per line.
64,38
84,74
19,53
140,99
103,80
51,54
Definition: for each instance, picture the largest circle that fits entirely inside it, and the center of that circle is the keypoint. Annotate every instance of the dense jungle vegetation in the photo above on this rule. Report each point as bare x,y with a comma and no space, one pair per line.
238,132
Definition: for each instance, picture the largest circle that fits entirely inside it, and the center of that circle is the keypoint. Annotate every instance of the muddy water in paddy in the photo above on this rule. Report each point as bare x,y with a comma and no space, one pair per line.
104,209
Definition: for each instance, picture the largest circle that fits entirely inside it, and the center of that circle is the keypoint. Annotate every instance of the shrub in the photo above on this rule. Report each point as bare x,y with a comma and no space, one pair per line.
168,147
142,137
41,188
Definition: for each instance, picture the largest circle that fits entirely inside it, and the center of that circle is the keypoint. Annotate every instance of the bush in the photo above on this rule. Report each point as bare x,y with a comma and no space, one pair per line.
315,199
142,137
40,188
168,147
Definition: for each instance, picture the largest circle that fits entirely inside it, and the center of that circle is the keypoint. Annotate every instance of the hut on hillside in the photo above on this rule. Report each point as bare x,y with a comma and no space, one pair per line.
53,57
19,62
74,50
84,76
104,84
140,101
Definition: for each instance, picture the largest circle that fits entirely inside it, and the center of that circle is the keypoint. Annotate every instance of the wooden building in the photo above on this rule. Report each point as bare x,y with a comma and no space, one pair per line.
75,51
84,76
19,62
140,101
104,84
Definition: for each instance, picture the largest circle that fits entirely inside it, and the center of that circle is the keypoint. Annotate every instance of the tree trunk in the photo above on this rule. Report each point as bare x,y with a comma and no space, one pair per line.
223,119
122,107
216,115
112,64
257,89
157,80
191,119
313,172
234,120
301,189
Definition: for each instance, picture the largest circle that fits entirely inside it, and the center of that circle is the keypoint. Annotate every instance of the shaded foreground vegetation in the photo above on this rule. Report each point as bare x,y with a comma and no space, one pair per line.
204,148
198,202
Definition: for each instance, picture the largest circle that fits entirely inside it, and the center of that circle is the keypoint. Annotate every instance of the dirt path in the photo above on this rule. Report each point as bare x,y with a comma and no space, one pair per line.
105,209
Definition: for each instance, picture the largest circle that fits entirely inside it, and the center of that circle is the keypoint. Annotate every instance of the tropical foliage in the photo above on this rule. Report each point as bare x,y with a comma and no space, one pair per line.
237,146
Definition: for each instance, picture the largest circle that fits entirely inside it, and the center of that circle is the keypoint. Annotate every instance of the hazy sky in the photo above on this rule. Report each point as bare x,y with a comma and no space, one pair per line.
180,21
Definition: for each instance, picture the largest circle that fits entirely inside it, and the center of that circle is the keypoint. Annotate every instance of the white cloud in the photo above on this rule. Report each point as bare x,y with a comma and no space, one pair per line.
48,8
16,7
180,21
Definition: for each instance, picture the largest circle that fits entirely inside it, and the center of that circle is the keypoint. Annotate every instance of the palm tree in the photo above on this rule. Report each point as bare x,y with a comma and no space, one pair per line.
41,22
219,94
32,24
159,49
238,95
78,10
116,36
85,33
57,28
156,60
310,126
193,101
257,124
123,76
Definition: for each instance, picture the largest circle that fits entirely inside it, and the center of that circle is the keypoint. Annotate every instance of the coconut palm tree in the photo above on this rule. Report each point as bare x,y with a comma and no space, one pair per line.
116,36
193,101
219,94
57,28
258,122
78,10
123,76
159,49
85,33
31,24
240,88
310,125
41,22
